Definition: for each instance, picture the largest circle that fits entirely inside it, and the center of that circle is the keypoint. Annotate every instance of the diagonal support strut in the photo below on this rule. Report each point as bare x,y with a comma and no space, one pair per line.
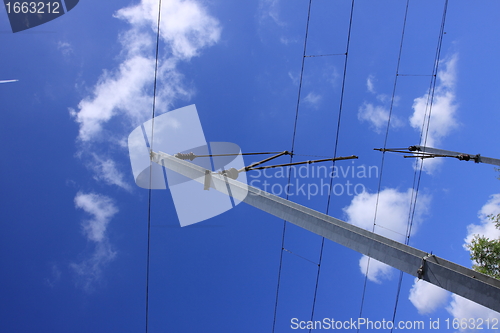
460,280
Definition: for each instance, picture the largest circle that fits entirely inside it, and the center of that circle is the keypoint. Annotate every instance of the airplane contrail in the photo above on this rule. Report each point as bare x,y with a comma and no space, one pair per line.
7,81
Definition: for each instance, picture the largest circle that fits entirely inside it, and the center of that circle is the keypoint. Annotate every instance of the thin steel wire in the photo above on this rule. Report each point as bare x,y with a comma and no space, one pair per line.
298,255
341,103
415,192
148,256
415,75
291,159
325,55
383,153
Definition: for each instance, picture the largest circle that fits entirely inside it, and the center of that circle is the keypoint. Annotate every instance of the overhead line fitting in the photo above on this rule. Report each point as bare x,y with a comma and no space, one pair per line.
428,152
325,55
233,173
422,269
415,74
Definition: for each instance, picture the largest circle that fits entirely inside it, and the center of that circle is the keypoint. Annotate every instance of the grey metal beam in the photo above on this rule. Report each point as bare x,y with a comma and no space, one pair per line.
477,157
460,280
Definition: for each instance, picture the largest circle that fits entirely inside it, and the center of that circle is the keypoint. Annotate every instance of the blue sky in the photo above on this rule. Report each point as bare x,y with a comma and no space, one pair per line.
74,224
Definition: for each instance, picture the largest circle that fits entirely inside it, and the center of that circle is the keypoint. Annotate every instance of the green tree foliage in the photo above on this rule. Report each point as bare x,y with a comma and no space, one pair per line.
486,252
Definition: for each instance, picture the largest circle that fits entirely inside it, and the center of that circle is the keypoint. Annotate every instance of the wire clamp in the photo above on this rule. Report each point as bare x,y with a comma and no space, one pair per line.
421,269
464,157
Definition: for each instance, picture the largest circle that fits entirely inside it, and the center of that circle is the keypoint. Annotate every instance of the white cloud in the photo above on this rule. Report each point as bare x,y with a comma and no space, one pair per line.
125,92
313,99
369,84
65,48
486,227
106,170
101,209
269,9
459,306
286,41
377,271
185,25
294,78
121,91
392,212
427,297
392,219
463,308
89,271
443,113
377,115
185,28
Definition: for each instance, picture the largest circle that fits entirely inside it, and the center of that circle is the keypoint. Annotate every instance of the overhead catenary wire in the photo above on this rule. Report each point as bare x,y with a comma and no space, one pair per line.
302,257
426,125
291,157
341,103
325,55
291,160
379,186
148,254
265,153
415,75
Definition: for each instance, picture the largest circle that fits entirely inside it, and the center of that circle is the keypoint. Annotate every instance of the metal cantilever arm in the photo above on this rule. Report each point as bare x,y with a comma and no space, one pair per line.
191,156
428,152
248,168
233,173
460,280
264,161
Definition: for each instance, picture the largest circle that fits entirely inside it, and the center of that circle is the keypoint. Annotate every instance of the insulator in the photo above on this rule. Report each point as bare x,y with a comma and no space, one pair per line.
182,156
464,157
231,173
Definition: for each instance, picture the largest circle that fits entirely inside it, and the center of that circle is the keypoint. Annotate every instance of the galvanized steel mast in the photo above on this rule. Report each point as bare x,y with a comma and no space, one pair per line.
460,280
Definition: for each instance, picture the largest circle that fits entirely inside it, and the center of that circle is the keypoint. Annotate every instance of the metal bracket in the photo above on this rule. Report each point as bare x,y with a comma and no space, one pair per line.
208,179
428,152
421,269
